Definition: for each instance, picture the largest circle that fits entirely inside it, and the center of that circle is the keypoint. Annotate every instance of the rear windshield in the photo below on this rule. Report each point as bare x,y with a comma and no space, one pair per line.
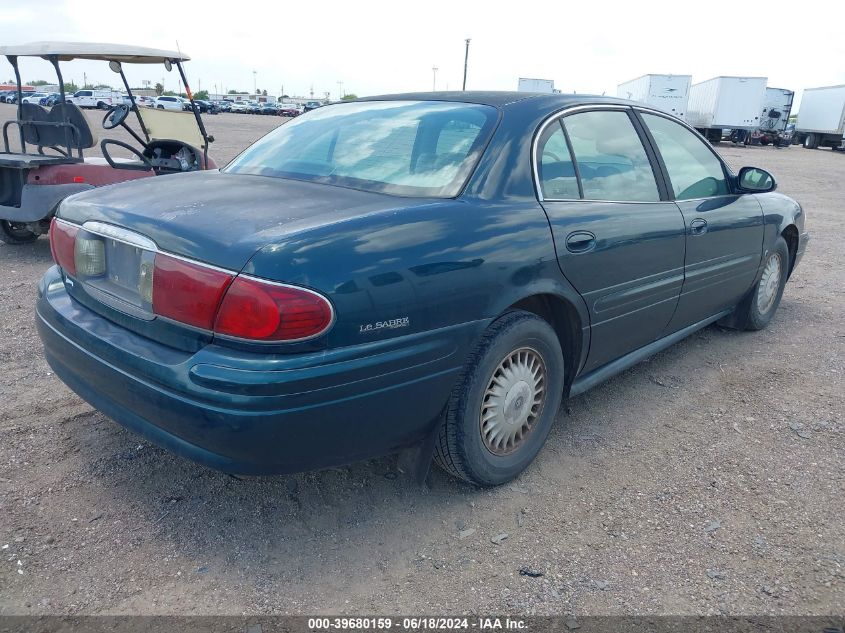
406,148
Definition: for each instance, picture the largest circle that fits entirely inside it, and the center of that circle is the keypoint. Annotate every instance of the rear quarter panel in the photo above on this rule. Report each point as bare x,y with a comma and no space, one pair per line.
401,272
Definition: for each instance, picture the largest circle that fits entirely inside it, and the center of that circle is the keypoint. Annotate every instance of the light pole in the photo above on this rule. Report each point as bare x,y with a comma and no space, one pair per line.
254,81
434,70
339,90
466,61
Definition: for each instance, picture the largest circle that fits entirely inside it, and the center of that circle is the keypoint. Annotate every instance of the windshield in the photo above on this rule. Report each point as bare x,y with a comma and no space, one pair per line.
172,124
407,148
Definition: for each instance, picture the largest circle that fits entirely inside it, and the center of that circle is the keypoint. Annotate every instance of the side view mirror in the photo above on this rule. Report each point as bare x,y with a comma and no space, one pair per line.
115,66
755,180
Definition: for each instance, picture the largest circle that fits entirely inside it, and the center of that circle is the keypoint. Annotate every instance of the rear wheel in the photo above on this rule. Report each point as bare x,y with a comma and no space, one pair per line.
504,403
16,233
811,141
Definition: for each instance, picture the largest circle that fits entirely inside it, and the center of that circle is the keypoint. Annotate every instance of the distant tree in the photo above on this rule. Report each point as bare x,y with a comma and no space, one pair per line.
285,97
234,92
37,82
168,93
264,92
159,88
71,87
202,95
102,87
349,97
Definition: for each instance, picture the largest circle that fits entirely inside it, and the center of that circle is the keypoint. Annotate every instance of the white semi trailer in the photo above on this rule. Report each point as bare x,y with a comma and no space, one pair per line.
821,118
527,84
669,93
774,117
726,103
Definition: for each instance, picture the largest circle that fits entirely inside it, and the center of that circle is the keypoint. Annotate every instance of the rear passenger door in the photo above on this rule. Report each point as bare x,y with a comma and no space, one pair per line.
724,229
619,239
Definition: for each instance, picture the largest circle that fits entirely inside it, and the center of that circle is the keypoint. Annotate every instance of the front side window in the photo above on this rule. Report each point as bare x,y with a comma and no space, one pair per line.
558,180
408,148
611,159
694,170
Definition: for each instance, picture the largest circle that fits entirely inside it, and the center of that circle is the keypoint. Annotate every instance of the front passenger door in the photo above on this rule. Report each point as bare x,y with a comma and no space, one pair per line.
724,230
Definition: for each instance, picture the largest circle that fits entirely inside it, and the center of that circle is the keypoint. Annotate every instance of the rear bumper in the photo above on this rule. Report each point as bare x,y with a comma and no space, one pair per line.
253,414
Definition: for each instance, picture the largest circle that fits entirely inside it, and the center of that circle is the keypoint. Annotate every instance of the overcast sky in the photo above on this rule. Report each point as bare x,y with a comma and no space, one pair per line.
379,47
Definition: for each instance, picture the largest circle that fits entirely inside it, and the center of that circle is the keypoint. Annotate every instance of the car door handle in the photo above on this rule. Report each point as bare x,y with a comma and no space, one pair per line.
698,226
580,242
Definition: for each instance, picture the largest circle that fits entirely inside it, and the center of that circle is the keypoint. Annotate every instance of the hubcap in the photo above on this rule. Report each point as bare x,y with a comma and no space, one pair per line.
513,401
767,291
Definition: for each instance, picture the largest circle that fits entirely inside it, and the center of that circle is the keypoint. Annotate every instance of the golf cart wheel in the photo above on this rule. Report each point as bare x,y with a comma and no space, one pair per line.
15,233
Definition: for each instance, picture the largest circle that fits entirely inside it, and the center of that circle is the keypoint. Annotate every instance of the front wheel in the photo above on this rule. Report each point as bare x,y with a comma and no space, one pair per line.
760,306
811,141
15,233
504,403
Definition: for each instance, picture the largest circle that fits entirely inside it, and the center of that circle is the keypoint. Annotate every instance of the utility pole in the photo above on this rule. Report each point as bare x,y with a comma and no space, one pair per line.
434,70
339,90
254,81
466,61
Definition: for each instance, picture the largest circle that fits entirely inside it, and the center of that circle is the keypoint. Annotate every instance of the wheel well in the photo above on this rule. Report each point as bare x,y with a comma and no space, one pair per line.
564,319
790,234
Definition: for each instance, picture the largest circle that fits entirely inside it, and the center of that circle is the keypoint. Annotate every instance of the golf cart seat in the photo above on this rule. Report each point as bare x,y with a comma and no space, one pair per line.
64,124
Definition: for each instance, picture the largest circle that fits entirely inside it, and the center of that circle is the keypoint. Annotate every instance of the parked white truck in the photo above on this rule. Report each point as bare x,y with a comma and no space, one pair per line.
102,99
774,117
726,102
526,84
821,118
669,93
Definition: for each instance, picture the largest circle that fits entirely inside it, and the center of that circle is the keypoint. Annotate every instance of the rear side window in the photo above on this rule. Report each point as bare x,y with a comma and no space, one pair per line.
558,180
611,159
693,169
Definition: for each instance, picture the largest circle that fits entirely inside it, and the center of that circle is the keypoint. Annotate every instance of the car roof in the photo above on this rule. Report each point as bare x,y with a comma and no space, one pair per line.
499,98
66,51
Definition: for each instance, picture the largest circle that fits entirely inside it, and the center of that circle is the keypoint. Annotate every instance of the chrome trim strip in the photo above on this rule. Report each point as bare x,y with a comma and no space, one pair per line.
120,234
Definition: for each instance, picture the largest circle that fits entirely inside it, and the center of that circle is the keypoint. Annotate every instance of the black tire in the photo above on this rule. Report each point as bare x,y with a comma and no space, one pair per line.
102,106
764,141
461,449
14,233
755,312
811,141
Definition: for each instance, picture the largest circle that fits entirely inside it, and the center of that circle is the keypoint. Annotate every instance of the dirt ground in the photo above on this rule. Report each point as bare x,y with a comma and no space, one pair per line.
706,480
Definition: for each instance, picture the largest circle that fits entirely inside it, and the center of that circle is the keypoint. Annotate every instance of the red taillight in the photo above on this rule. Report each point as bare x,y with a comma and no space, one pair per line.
62,240
258,310
186,292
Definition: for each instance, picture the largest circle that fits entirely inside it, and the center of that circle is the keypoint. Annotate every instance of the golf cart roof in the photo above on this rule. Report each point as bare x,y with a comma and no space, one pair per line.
67,51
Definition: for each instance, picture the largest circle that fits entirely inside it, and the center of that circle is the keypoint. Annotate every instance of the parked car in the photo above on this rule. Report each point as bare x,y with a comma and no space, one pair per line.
145,101
289,109
207,107
33,97
224,105
240,107
466,264
50,99
5,94
168,102
311,105
269,108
